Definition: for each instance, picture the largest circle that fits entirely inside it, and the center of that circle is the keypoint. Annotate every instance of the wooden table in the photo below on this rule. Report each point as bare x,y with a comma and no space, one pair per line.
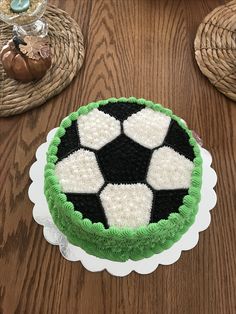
142,48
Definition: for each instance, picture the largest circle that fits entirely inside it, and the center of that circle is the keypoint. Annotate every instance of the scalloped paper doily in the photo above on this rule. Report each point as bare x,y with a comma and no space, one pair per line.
51,233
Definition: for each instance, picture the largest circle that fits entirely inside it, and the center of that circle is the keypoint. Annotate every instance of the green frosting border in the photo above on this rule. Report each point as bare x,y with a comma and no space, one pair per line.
119,244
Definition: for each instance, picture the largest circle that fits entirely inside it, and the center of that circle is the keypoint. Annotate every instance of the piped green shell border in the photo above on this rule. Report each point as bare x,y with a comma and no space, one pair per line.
119,244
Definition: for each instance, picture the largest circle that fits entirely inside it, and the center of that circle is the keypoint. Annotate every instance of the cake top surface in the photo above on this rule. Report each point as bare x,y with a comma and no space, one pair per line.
125,164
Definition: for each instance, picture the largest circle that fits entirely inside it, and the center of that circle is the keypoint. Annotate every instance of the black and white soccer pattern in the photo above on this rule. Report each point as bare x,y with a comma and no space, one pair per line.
125,165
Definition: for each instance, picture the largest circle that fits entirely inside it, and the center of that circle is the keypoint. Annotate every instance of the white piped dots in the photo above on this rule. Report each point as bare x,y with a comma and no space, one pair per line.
127,205
79,173
97,128
147,127
169,170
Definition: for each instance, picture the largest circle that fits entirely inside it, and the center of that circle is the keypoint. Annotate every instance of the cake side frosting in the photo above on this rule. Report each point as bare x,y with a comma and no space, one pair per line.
122,243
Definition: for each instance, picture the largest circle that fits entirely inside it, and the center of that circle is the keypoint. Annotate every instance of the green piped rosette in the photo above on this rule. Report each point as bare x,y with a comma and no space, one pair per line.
120,244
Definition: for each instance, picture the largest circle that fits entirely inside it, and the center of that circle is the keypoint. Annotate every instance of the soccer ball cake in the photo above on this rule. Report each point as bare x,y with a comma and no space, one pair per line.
123,178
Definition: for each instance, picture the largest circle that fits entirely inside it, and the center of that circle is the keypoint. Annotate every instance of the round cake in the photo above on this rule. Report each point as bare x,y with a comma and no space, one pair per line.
123,178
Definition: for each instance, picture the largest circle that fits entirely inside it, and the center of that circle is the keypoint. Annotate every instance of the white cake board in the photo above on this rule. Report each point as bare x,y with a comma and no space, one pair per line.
51,233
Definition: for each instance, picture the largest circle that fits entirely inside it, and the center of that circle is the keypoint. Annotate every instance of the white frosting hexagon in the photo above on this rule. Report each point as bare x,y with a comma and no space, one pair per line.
79,173
169,170
127,205
147,127
97,128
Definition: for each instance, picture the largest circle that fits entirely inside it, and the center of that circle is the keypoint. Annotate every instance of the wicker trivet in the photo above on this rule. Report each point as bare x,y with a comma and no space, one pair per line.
215,48
68,54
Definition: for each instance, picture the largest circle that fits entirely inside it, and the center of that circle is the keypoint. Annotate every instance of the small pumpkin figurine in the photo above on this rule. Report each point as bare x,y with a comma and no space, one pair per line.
26,60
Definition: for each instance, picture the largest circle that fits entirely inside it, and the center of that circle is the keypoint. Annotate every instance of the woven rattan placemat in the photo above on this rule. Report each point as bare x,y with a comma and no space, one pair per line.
67,58
215,48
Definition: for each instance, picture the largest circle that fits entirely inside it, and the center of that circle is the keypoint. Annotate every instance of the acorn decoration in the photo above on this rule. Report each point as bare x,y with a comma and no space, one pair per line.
26,60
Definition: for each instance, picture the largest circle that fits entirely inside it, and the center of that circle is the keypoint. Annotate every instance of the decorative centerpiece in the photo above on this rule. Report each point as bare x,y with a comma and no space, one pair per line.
26,57
25,16
67,54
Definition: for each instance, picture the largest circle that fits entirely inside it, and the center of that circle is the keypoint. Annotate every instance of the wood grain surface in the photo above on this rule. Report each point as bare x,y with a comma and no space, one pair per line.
142,48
